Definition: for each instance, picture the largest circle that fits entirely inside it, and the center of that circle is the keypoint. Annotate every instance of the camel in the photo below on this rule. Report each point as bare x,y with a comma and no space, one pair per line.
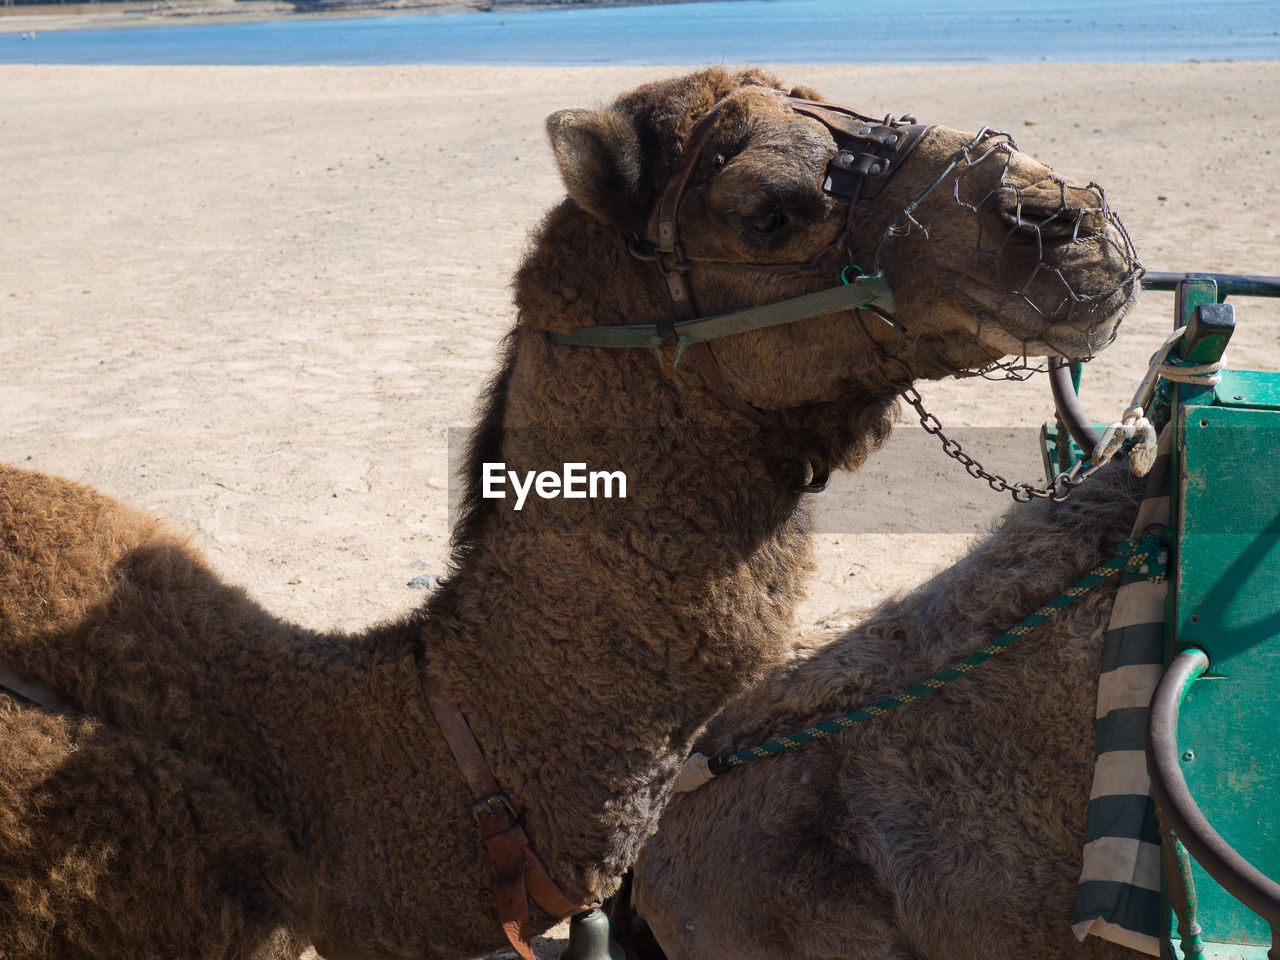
951,827
186,775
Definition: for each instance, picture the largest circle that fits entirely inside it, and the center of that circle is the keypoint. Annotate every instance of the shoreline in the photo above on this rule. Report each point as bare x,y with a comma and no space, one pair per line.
34,18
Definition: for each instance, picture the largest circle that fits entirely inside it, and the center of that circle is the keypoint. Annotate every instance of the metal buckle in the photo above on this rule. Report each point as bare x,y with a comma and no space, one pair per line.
486,806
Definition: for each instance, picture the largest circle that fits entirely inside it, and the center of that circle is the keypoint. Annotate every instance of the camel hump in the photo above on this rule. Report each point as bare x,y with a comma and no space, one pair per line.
61,544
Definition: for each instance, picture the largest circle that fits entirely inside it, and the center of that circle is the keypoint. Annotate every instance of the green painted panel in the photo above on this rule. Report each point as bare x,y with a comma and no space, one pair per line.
1058,451
1249,388
1226,951
1228,603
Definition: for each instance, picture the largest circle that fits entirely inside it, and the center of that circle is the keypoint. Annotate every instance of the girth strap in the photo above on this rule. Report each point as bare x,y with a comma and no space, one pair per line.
518,872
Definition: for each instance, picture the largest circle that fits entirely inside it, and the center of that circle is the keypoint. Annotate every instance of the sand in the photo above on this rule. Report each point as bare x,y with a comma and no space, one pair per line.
259,300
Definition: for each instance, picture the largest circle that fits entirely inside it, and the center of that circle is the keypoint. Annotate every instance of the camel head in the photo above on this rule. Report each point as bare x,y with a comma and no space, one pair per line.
729,192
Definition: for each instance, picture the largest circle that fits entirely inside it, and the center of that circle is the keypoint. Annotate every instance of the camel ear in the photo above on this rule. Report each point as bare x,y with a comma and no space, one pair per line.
601,164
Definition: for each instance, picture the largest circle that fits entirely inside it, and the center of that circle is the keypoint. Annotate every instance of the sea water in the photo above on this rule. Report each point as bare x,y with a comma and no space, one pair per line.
736,32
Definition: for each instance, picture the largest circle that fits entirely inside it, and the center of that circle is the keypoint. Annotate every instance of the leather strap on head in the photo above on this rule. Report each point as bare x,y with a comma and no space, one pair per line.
668,244
867,151
669,205
518,872
710,369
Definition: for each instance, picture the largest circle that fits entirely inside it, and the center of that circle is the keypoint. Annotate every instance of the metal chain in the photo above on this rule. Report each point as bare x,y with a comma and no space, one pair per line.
1022,491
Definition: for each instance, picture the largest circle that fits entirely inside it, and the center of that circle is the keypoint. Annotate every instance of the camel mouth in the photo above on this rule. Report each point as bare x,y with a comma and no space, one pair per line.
1046,225
1061,322
1025,299
1073,340
1025,264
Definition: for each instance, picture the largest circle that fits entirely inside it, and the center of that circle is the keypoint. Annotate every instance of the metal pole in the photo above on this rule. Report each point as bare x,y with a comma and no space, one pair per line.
1178,808
1239,284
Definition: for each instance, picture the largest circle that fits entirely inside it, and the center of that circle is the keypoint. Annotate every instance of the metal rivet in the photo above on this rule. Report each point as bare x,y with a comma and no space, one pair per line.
864,130
1237,397
1188,755
873,169
892,138
1204,423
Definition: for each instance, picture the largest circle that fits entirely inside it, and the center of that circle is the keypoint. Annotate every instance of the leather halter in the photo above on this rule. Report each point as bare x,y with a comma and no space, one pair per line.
868,151
517,869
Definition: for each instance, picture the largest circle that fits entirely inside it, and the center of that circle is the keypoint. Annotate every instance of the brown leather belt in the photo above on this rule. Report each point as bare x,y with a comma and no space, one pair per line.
517,870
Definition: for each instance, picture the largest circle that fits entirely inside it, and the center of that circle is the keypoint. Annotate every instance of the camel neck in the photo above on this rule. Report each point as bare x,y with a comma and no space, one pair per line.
630,508
600,633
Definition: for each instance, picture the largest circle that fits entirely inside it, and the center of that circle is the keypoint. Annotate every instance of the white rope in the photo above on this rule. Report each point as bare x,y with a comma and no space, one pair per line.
695,772
1133,423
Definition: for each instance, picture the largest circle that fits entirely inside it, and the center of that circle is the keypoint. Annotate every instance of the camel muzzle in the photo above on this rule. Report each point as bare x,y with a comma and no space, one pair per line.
1050,270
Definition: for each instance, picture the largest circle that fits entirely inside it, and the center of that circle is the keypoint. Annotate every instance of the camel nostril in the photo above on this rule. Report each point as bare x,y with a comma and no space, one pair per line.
1050,224
1052,209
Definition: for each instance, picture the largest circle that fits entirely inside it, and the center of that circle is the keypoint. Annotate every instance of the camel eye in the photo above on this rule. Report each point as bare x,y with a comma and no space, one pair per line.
766,222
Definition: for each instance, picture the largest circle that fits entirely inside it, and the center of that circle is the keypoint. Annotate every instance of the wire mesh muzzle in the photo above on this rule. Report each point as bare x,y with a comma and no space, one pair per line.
999,263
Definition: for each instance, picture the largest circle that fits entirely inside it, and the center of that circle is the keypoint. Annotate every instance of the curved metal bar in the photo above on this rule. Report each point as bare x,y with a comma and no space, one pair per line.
1178,808
1065,399
1237,284
1067,402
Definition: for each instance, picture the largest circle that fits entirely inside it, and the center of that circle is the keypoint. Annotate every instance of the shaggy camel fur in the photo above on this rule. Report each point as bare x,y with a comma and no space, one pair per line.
950,828
222,783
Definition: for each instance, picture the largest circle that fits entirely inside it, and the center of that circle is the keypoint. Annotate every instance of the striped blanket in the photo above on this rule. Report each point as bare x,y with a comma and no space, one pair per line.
1118,897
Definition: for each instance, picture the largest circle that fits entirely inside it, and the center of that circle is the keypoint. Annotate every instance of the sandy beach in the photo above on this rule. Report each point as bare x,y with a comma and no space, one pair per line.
260,301
257,300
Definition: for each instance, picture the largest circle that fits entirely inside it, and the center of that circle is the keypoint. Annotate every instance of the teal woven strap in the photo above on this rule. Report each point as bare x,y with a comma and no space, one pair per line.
1146,557
859,292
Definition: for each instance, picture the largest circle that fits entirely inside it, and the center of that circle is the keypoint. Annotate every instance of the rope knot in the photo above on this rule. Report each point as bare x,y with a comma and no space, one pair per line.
1134,431
1148,557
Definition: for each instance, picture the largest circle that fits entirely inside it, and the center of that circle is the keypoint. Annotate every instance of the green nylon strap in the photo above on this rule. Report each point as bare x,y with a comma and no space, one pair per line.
1146,557
864,290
